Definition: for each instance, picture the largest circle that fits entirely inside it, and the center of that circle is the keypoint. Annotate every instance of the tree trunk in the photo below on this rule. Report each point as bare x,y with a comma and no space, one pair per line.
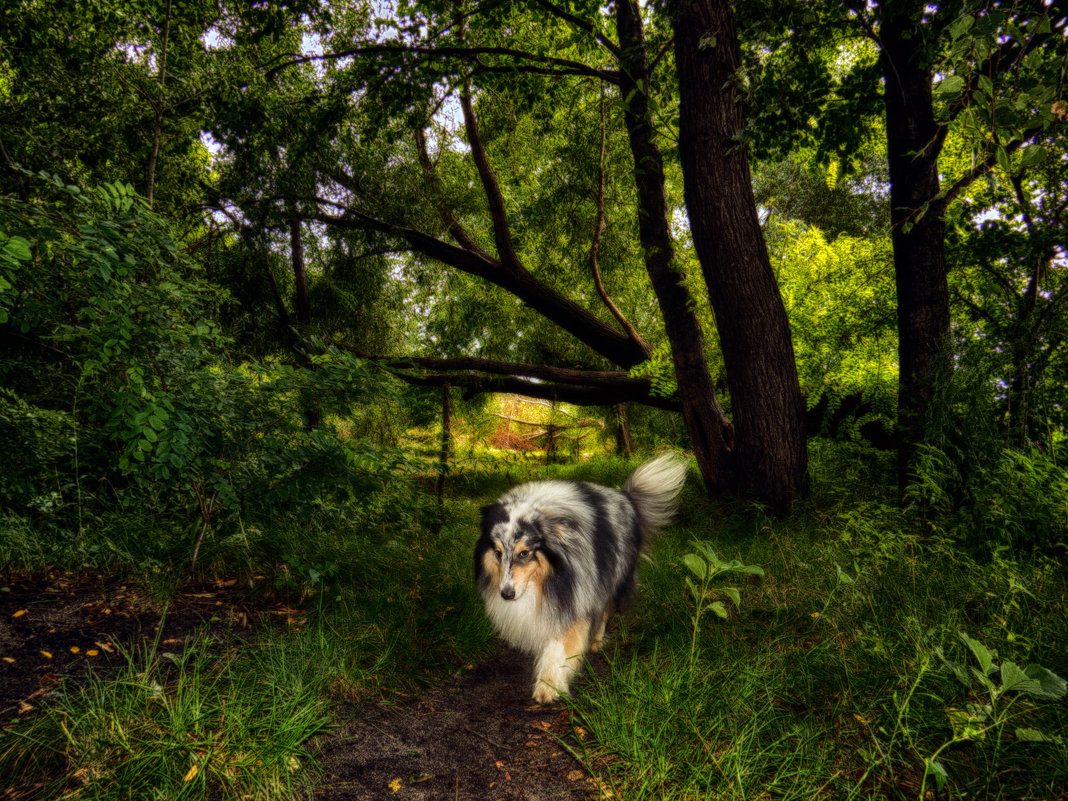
302,303
624,441
446,441
918,233
157,113
709,429
770,450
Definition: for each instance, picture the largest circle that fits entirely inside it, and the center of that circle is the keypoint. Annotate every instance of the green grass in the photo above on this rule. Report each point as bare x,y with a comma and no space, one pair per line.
836,677
203,723
842,674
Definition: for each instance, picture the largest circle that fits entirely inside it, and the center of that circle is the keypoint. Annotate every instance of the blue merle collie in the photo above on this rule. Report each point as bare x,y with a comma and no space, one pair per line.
557,557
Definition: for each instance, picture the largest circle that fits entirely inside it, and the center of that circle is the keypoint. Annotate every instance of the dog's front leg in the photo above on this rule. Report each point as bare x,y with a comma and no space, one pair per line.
558,662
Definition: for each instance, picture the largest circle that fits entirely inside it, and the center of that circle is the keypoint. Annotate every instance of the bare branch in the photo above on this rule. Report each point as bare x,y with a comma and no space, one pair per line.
577,395
541,372
582,24
453,225
569,315
947,196
502,232
523,60
595,245
665,48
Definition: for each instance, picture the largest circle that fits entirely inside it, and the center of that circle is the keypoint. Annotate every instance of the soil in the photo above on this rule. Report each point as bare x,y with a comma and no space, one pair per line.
476,737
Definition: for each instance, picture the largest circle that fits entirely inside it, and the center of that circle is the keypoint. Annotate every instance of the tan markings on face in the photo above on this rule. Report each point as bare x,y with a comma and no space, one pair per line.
492,568
528,566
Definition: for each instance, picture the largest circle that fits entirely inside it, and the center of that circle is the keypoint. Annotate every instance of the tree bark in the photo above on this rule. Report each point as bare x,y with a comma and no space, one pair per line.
302,300
580,322
710,431
446,440
302,303
770,450
913,140
624,440
157,112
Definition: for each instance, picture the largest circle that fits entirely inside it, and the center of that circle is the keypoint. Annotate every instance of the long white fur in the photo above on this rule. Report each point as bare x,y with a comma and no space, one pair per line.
521,622
654,486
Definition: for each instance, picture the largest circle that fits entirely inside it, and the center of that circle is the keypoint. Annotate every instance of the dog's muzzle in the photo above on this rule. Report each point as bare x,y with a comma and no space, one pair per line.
508,593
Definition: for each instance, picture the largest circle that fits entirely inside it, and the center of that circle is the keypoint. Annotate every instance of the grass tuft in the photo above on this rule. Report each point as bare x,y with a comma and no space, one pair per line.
202,723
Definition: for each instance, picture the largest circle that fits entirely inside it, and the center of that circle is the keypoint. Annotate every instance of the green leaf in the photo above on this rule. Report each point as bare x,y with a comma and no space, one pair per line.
984,680
842,577
696,565
950,85
967,723
1002,157
719,609
957,670
934,767
1035,736
1051,686
960,27
1014,679
733,594
1032,155
986,659
18,248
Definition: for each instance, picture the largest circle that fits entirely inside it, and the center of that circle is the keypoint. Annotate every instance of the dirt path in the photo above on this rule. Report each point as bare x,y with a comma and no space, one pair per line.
477,737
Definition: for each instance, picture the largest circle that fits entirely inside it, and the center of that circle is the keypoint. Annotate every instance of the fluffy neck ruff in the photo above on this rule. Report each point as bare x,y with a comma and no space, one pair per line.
526,622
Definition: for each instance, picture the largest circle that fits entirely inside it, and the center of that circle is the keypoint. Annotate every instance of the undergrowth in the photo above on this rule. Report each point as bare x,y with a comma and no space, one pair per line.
851,669
202,722
854,649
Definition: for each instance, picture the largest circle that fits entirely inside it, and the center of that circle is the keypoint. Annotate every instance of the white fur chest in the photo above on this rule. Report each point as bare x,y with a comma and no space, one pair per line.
524,622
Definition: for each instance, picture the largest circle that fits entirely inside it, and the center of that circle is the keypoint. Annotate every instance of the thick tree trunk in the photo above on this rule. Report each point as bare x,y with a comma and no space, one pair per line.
710,431
918,233
770,450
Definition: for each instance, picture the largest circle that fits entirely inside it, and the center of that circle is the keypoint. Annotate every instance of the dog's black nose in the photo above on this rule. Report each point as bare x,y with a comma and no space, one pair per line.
508,593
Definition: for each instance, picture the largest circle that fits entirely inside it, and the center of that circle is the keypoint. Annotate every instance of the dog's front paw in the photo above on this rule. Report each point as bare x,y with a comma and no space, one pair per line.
544,694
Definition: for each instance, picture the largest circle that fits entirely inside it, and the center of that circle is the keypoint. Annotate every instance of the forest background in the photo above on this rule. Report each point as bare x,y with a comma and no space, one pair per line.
266,272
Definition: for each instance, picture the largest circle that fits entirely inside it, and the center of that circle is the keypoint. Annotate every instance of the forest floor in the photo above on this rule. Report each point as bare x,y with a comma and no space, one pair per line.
474,736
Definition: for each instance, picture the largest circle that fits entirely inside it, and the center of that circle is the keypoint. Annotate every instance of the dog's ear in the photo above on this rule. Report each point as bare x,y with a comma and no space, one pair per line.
559,526
492,514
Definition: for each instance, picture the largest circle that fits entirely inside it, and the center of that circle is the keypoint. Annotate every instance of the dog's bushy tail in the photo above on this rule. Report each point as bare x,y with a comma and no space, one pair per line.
653,488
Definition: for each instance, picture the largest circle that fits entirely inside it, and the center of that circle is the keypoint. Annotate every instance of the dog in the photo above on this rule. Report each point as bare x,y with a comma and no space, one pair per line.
556,558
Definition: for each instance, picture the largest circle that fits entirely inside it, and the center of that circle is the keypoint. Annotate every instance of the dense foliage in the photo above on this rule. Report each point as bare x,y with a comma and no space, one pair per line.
267,272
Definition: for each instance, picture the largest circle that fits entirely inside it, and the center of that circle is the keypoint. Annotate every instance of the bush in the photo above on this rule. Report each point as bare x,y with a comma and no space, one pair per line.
118,392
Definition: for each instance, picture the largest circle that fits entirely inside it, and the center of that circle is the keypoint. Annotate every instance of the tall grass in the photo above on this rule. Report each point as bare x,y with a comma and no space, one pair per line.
201,723
844,673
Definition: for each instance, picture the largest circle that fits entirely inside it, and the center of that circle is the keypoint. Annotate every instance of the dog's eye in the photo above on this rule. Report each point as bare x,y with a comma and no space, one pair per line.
524,554
498,553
